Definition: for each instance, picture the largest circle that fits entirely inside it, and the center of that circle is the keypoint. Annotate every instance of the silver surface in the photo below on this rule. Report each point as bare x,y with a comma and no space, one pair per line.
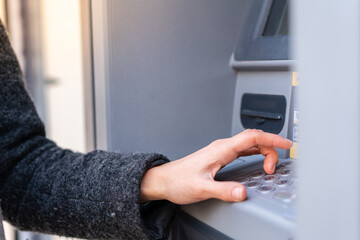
327,51
162,76
163,84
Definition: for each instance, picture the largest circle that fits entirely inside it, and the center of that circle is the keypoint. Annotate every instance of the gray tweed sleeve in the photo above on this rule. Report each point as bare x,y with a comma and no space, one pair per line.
48,189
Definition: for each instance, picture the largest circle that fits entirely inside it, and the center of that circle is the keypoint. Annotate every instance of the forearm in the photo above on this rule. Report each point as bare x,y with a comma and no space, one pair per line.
89,196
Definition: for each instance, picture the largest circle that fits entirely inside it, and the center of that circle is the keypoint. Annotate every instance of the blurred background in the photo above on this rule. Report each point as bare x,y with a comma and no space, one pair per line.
48,45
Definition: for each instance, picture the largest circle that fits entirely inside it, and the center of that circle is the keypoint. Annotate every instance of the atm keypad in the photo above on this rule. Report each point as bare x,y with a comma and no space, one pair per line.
278,187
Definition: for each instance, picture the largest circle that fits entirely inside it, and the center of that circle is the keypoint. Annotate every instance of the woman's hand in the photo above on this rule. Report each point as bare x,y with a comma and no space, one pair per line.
191,179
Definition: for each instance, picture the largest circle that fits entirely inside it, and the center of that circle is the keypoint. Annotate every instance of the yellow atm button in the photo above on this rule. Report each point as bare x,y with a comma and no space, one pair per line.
295,81
293,151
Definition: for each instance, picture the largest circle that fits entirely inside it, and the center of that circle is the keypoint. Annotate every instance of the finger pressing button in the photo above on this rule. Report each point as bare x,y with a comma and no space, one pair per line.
270,178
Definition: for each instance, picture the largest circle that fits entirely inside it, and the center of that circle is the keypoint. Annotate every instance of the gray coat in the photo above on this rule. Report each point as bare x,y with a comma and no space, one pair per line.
48,189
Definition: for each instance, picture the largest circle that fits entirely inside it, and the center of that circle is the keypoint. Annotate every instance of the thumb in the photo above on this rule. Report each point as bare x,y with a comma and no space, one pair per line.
227,191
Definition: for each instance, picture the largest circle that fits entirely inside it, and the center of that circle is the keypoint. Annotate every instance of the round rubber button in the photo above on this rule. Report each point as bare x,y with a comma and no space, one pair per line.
242,180
265,189
282,182
257,174
284,172
252,184
271,178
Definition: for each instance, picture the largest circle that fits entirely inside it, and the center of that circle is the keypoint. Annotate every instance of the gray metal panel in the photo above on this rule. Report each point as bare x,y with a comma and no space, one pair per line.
248,220
327,50
170,88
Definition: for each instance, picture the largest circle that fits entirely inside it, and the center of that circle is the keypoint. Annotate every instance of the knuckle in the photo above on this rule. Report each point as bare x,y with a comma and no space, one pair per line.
248,131
253,132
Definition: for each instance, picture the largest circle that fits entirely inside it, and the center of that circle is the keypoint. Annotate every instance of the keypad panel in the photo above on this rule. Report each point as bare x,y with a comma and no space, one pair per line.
278,187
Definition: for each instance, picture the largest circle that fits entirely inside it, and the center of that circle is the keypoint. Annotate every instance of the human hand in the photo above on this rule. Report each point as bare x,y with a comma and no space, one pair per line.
191,179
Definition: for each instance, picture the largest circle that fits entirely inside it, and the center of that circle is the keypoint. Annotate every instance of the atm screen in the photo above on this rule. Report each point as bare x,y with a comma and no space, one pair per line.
277,22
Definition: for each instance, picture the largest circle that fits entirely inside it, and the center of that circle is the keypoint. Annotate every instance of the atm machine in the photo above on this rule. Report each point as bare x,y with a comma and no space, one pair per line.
177,54
264,99
197,97
326,47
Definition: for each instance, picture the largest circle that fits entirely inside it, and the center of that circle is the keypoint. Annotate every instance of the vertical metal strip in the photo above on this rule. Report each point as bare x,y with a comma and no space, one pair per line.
88,70
101,71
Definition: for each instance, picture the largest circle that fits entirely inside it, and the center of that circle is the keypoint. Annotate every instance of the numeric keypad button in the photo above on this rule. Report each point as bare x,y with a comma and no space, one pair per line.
265,189
282,182
284,172
257,174
252,184
270,178
242,180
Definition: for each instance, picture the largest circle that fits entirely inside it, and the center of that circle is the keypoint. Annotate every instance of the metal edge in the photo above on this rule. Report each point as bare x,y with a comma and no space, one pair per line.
268,65
101,71
88,74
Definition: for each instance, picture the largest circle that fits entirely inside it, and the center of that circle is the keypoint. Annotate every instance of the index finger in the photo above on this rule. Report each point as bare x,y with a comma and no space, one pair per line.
253,137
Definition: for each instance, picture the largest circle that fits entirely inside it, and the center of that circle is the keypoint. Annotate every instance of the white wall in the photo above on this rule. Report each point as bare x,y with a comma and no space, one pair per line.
63,65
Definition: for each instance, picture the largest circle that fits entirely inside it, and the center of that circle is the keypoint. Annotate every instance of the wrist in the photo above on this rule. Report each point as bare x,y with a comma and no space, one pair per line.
152,185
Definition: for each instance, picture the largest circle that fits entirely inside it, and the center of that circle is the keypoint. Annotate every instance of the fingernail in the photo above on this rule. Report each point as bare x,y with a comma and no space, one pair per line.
237,194
291,142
